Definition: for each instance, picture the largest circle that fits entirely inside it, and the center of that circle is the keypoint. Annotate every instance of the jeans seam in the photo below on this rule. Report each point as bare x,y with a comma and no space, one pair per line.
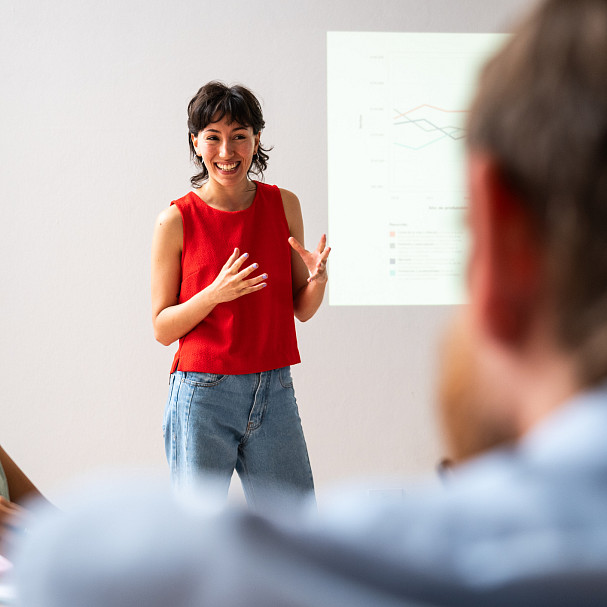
186,430
252,427
289,385
200,384
173,416
245,479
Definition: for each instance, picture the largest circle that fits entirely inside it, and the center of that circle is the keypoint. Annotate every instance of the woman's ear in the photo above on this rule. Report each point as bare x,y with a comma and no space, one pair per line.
194,139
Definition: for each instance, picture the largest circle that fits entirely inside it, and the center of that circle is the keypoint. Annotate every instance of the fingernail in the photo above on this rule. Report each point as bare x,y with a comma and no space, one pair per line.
264,276
255,266
245,255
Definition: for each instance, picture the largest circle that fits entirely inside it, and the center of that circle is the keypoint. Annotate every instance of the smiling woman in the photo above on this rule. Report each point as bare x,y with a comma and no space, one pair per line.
227,150
211,106
229,273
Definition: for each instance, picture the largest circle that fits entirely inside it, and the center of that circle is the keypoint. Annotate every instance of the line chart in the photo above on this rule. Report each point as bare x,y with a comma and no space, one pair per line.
422,126
396,106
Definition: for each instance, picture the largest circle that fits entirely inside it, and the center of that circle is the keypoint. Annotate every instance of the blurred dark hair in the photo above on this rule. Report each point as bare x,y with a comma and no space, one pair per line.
211,103
541,112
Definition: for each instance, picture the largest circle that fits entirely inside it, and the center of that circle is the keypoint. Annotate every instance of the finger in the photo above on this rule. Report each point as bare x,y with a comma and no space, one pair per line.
297,246
231,258
325,254
9,511
319,273
248,270
14,519
322,243
256,280
321,264
313,277
238,263
254,288
250,286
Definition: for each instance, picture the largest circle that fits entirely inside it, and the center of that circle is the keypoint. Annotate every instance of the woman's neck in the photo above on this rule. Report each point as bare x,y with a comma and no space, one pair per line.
234,198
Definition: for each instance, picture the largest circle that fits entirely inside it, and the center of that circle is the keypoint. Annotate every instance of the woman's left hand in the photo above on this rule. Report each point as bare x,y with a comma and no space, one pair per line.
315,261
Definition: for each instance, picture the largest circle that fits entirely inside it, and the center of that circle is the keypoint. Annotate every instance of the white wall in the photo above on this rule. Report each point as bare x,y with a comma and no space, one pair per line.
94,145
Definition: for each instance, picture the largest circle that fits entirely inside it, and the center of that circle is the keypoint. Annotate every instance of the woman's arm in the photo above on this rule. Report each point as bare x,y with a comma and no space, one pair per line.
13,517
20,488
309,269
171,319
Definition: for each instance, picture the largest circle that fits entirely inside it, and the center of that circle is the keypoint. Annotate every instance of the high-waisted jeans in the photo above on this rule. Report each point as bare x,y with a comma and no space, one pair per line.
214,424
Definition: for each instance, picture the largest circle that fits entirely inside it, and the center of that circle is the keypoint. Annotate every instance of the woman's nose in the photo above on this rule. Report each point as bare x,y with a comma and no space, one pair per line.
225,149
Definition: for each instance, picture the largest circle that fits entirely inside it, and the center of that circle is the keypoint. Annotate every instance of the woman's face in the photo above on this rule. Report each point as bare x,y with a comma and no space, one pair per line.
227,150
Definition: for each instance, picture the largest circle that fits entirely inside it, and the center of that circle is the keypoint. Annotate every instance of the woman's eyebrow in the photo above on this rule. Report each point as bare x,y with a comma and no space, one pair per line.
237,128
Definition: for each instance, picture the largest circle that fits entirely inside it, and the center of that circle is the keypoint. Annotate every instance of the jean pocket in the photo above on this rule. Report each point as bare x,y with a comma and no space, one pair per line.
196,378
284,375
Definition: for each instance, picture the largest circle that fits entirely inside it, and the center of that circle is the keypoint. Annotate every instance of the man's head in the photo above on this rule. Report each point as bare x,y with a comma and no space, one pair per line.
537,140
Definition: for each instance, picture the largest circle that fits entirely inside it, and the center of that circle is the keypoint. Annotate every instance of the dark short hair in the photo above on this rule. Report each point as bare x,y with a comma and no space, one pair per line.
541,112
212,103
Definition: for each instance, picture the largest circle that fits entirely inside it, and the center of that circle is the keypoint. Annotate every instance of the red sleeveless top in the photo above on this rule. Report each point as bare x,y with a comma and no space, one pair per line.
255,332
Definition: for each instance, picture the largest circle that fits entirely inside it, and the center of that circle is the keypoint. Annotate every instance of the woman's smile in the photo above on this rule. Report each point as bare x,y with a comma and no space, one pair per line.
227,167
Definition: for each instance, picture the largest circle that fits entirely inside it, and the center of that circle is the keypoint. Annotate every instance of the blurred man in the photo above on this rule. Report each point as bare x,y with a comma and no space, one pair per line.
523,520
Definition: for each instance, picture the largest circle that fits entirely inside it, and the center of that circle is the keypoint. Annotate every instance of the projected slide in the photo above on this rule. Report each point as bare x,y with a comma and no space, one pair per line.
397,106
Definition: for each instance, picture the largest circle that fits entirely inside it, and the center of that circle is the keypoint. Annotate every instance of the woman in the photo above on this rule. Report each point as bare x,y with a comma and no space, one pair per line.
16,489
229,272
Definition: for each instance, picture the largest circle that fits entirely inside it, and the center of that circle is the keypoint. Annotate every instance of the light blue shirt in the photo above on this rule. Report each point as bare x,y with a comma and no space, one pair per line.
520,526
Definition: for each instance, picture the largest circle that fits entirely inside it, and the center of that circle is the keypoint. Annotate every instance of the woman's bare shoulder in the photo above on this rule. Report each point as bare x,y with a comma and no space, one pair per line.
168,230
292,208
169,218
288,198
291,204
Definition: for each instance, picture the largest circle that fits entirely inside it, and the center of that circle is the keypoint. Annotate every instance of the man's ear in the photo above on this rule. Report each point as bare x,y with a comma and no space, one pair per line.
504,270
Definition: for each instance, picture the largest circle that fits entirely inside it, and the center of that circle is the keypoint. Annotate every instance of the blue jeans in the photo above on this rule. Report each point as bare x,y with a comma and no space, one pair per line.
214,424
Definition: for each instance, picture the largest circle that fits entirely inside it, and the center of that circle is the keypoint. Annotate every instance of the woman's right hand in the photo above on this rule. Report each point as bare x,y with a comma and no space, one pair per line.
232,282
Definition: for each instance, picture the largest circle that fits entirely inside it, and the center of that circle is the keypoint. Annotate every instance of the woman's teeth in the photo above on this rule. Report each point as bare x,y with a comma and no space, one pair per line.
227,167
